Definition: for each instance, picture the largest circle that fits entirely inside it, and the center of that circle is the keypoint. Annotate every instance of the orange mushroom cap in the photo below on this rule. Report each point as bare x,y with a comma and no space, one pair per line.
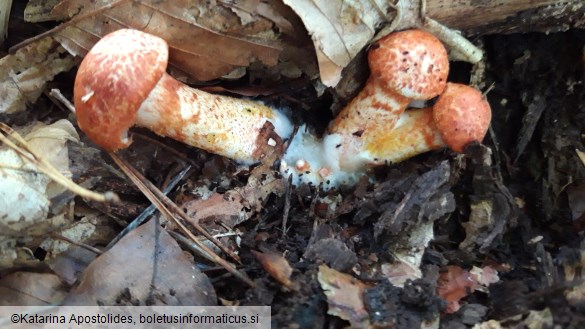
113,80
461,115
414,63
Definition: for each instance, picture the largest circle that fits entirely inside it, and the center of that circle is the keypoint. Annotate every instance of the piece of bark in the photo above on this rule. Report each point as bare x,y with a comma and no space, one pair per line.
479,17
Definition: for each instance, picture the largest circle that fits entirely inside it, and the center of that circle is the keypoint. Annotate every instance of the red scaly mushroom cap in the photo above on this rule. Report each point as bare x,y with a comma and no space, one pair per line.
461,115
113,80
413,62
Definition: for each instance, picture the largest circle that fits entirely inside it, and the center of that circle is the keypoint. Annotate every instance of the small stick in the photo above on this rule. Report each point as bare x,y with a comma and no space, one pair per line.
148,211
287,194
21,147
56,93
157,197
81,245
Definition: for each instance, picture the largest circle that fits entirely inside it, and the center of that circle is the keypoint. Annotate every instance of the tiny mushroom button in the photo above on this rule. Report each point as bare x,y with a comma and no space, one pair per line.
460,116
122,82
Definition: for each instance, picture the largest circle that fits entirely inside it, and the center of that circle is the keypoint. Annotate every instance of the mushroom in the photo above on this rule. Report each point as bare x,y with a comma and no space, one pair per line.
122,82
405,66
460,116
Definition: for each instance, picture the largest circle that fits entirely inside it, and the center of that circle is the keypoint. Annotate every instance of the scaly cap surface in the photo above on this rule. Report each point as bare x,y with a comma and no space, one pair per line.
461,115
113,80
414,63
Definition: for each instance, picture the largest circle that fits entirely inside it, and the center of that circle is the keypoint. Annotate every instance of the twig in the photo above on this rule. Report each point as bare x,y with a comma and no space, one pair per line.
189,244
170,204
56,93
287,194
21,147
148,211
161,202
165,146
82,245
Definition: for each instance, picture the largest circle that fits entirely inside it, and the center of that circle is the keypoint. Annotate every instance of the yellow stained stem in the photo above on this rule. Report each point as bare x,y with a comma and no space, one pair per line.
415,133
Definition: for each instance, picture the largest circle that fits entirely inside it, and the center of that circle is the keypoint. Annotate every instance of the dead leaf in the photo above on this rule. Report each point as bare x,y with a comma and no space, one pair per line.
454,284
207,39
491,324
484,276
24,191
399,272
92,230
333,252
277,266
31,289
218,207
344,295
4,17
40,11
573,272
49,142
539,319
146,267
493,208
339,29
23,76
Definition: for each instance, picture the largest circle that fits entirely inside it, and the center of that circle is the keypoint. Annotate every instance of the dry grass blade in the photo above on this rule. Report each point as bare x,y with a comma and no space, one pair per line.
581,156
170,204
13,140
148,211
159,200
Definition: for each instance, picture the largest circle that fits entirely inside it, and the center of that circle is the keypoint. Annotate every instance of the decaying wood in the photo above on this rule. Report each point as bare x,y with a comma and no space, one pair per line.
479,17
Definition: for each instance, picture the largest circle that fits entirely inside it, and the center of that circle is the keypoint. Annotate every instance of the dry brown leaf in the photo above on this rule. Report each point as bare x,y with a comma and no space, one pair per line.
31,289
454,284
490,324
23,76
91,230
228,210
207,39
340,29
277,266
344,295
146,267
481,217
40,11
400,271
484,276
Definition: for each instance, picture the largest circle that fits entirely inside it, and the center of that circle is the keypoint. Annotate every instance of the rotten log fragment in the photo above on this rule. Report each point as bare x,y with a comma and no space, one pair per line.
325,245
493,209
480,17
393,307
427,198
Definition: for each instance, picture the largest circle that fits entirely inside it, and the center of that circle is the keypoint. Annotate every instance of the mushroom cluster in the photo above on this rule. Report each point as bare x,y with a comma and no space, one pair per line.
375,129
132,88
